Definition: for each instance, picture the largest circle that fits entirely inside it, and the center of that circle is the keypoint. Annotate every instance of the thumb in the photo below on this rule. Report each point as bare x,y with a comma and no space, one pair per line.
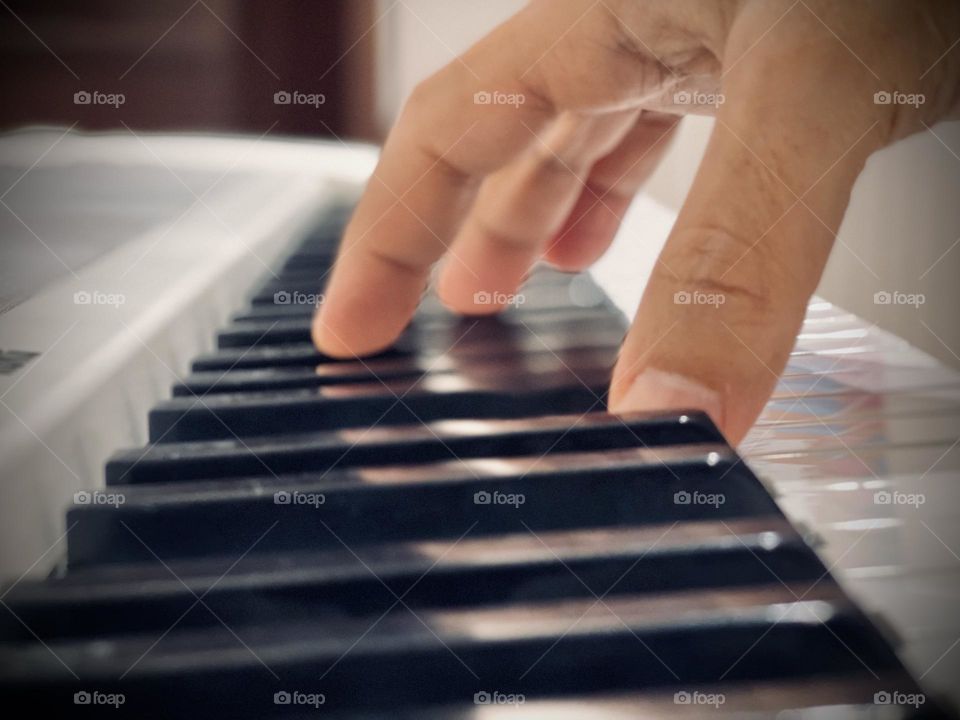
728,295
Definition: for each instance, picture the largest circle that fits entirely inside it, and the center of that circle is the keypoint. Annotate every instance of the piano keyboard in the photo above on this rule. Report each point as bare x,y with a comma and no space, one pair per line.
452,529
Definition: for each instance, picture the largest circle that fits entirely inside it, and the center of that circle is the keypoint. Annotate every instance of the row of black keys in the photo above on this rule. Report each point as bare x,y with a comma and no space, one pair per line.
454,521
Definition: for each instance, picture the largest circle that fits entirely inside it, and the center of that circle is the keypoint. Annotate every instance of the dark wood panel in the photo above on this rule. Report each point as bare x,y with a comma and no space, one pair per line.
204,65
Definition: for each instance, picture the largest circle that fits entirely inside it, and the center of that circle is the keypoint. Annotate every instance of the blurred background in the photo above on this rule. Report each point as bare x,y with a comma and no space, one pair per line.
216,66
212,65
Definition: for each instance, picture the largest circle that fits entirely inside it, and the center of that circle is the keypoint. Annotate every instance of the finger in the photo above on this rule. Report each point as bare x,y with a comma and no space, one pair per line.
613,182
521,207
720,314
423,185
441,148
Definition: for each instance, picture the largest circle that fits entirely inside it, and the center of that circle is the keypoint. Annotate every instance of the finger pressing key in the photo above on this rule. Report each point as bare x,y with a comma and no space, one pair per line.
470,119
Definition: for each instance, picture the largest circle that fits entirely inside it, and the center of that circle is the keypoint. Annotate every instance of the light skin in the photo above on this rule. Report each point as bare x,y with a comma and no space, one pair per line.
489,189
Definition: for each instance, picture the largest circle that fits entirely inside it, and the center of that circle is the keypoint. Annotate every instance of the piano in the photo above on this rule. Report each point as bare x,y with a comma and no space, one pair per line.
454,528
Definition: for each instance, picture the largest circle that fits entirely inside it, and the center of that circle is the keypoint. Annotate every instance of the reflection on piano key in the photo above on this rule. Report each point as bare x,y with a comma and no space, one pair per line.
467,338
564,647
379,445
389,369
609,489
108,600
396,402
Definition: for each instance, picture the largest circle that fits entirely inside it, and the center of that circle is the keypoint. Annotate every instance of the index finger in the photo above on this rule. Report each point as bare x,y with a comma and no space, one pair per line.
467,120
473,117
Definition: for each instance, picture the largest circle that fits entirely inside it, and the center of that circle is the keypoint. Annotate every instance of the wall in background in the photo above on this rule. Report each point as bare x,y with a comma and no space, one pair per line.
901,233
214,65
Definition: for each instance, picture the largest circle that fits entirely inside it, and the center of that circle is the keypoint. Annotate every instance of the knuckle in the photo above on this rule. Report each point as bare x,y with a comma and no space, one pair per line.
431,97
551,161
547,158
422,96
500,239
746,279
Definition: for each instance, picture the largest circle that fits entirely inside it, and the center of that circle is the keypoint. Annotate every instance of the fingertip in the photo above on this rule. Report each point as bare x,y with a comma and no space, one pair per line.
477,282
654,389
341,338
327,341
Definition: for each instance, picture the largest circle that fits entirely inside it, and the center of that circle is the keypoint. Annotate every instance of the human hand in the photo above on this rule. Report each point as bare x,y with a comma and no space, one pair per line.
588,94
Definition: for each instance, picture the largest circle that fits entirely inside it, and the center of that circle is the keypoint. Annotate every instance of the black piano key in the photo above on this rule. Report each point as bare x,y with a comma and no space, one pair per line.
280,291
290,328
444,324
369,505
540,276
850,697
548,298
325,233
544,289
301,355
466,338
277,312
393,366
386,369
108,600
435,656
319,452
318,260
331,223
262,334
301,304
284,378
315,257
322,239
398,402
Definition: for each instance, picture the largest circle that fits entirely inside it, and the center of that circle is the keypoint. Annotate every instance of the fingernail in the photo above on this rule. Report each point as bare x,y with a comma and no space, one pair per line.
658,390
